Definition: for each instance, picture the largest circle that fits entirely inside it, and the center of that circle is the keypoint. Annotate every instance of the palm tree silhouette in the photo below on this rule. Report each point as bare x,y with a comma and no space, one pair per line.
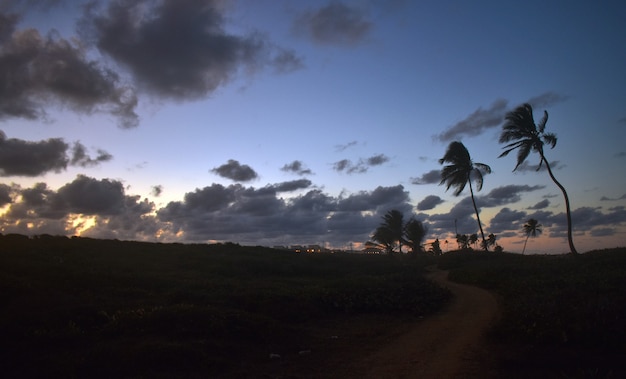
461,171
415,231
520,130
531,227
390,231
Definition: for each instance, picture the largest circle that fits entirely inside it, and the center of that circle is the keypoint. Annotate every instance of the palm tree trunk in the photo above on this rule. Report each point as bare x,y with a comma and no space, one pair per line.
480,226
525,242
567,208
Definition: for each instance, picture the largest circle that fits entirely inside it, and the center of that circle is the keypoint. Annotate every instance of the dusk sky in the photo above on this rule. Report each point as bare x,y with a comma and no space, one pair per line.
280,122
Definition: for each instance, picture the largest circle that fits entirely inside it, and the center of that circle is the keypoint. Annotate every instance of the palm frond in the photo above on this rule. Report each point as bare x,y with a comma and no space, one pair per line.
522,154
478,178
542,123
550,139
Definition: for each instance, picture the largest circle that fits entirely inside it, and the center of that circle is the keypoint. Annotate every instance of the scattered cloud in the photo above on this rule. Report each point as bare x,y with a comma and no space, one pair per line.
26,158
293,185
431,177
528,167
546,99
156,190
482,120
477,122
235,171
340,148
5,195
429,202
296,167
508,194
605,198
540,205
334,24
360,167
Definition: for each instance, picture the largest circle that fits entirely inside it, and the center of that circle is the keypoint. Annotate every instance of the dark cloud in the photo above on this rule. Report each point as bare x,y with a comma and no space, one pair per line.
431,177
477,122
82,159
157,190
484,119
296,167
507,220
508,194
5,195
540,205
429,202
26,158
179,49
90,196
42,71
235,171
293,185
334,24
347,166
602,232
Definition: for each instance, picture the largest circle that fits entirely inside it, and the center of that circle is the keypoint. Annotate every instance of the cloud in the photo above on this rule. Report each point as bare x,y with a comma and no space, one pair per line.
293,185
26,158
546,99
508,194
362,166
622,121
540,205
156,190
431,177
527,167
334,24
235,171
82,159
621,154
179,49
340,148
429,202
477,122
296,167
484,119
59,73
605,198
507,220
5,195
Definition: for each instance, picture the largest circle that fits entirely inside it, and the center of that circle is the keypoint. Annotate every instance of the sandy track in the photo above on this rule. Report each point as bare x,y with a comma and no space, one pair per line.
446,345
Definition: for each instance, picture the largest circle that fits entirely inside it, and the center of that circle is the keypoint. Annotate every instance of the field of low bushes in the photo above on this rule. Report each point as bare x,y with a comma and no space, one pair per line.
94,308
566,311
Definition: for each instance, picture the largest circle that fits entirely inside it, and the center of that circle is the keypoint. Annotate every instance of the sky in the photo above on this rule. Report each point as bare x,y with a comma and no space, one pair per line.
282,122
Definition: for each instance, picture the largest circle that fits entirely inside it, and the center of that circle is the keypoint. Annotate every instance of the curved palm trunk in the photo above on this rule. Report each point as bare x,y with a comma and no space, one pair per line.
480,226
567,208
525,242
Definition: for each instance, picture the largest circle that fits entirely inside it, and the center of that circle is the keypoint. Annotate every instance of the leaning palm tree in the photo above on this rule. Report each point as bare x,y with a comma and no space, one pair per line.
520,132
460,171
532,227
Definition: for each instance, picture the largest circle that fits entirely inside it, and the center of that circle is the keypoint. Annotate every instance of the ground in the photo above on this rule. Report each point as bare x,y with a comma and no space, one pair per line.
449,344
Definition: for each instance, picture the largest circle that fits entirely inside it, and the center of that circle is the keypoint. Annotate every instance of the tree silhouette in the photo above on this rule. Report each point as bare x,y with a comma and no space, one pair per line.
415,232
391,231
531,227
473,239
521,132
460,171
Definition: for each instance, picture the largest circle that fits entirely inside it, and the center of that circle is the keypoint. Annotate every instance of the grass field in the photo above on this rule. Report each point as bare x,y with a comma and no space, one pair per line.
99,308
92,308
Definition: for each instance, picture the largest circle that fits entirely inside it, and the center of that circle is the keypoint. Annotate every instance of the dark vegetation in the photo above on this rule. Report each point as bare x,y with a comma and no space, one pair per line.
102,308
561,316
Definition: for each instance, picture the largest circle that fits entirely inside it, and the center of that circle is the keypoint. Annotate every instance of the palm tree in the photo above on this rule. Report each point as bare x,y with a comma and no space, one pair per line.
531,227
461,171
415,232
393,221
382,240
520,132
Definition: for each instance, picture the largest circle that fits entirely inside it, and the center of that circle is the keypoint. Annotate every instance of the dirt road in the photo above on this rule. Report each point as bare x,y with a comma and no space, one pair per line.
446,345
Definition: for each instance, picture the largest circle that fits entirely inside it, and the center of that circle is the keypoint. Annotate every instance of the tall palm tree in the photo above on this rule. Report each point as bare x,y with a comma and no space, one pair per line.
393,221
460,171
521,132
415,232
531,227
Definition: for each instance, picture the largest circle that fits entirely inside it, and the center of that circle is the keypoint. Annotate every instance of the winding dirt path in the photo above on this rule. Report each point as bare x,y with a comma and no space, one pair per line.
447,345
